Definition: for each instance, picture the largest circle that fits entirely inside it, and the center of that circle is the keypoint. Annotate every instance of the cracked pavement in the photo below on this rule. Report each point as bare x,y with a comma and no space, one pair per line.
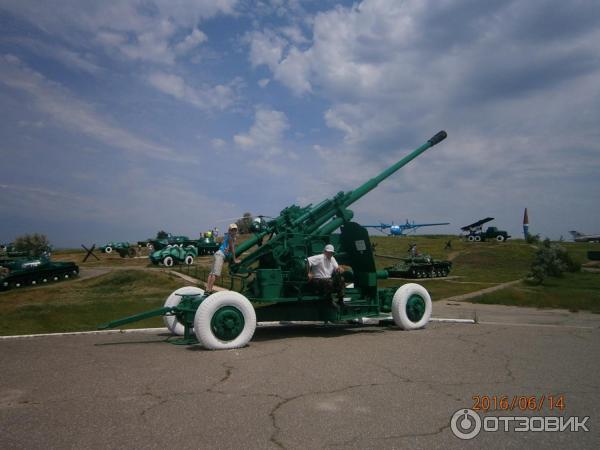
301,387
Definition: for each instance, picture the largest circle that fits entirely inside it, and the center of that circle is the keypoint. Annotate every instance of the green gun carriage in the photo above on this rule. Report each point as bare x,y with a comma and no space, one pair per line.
272,273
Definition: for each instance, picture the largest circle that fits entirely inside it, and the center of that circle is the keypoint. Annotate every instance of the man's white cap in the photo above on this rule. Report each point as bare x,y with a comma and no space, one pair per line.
233,226
329,248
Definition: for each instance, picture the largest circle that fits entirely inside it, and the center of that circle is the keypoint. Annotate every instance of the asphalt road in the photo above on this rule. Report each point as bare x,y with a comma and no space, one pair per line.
304,387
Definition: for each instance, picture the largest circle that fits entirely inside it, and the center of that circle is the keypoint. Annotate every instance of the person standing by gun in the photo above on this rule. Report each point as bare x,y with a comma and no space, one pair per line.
226,251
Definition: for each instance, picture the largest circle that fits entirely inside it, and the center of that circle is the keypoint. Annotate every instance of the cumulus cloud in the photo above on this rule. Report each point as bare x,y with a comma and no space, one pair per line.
192,40
266,134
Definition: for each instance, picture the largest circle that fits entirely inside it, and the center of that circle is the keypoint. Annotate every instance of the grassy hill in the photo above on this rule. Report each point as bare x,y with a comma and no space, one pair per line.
83,304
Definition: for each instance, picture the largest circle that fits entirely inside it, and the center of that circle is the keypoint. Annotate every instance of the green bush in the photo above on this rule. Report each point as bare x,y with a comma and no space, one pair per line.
550,260
33,244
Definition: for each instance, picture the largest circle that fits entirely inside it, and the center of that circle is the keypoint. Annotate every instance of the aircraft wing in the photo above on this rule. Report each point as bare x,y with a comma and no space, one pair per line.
418,225
381,226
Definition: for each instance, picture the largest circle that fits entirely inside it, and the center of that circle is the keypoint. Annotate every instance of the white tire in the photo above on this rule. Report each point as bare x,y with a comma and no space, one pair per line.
500,238
411,306
168,261
477,238
174,299
225,320
189,260
471,238
108,249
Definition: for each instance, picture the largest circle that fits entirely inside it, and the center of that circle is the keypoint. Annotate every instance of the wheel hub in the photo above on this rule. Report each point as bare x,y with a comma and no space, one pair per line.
227,323
415,308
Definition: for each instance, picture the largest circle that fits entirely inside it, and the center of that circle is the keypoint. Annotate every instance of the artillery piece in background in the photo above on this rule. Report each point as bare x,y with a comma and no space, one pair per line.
274,278
124,249
29,272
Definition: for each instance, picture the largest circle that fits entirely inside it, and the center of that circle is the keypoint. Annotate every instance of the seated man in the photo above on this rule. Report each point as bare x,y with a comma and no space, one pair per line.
324,274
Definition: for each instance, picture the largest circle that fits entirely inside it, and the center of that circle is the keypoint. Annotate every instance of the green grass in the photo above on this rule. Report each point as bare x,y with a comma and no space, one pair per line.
573,291
478,265
83,305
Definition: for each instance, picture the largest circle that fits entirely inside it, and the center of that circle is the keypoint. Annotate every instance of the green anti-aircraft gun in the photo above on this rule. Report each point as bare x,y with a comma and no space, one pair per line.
274,280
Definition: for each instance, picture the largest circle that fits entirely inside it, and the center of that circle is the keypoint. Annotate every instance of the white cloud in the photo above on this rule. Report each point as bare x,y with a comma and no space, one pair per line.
63,108
265,48
219,97
191,41
294,34
266,135
138,31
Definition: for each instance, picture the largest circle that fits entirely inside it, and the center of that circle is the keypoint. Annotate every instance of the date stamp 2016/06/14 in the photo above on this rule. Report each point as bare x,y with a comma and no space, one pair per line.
550,402
522,413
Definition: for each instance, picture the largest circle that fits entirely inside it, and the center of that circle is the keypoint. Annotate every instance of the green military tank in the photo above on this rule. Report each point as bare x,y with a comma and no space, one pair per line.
418,266
29,272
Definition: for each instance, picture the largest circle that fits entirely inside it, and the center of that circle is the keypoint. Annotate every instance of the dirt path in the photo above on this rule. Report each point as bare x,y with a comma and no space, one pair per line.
462,297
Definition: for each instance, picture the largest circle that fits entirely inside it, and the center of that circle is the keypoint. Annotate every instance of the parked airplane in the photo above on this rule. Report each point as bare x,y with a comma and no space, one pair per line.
398,230
578,237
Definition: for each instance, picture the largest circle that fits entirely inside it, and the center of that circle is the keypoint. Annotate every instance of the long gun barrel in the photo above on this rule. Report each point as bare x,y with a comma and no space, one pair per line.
315,220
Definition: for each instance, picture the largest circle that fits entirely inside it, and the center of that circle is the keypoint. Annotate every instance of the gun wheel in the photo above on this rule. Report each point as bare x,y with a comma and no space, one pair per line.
411,306
189,260
174,299
108,250
225,320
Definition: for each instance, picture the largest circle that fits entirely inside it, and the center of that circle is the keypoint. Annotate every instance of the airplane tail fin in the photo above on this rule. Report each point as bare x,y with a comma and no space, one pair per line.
575,233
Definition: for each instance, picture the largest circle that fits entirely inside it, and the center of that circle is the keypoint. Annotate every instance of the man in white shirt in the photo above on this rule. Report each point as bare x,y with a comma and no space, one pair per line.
324,265
321,269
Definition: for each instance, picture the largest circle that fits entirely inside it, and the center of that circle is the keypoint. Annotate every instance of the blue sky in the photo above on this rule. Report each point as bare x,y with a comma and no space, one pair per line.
125,117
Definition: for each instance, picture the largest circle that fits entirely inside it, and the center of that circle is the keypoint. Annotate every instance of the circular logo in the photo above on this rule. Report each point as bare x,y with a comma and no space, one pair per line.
465,424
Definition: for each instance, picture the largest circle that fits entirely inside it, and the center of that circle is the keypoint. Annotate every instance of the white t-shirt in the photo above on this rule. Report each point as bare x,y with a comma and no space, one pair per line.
322,267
